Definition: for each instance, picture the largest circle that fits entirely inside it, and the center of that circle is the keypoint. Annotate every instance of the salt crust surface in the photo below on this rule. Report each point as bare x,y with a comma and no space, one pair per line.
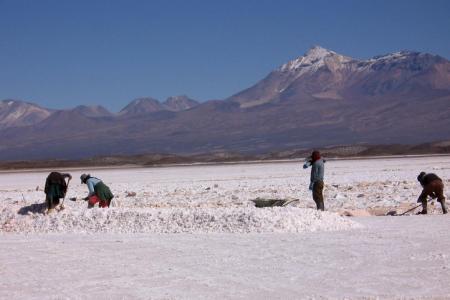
175,220
201,199
380,261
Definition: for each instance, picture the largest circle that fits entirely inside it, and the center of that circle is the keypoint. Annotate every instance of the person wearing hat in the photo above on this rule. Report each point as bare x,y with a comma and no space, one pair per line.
55,189
316,182
98,191
432,186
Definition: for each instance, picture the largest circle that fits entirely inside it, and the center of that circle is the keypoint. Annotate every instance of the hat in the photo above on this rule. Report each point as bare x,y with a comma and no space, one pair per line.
421,176
84,177
315,155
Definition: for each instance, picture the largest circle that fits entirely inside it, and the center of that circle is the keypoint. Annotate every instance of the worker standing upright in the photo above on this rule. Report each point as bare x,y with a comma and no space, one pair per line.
316,181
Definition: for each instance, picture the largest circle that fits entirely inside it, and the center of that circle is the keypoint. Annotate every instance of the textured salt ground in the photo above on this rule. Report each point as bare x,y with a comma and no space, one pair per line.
349,185
390,258
403,257
175,220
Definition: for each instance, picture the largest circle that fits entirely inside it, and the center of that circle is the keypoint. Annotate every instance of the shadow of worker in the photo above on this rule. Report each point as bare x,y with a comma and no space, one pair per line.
36,208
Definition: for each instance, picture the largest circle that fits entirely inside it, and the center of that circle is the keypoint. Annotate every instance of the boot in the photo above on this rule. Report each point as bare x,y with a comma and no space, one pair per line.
424,208
321,206
444,207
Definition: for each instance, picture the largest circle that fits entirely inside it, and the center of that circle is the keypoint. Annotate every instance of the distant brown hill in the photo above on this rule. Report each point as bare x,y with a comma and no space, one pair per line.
321,99
161,159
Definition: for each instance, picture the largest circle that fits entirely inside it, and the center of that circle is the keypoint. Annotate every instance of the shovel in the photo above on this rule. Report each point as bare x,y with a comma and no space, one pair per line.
402,214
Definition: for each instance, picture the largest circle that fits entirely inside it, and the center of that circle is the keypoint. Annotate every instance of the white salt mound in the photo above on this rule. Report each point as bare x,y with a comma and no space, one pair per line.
175,220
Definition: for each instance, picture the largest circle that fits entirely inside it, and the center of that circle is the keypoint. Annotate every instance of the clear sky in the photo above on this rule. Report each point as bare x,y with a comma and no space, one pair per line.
61,53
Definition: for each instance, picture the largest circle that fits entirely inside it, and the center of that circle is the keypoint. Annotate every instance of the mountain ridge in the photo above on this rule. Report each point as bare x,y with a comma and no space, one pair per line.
21,113
319,99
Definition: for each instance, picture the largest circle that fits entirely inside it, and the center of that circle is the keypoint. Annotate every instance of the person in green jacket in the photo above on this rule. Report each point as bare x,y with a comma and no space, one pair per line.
55,189
98,191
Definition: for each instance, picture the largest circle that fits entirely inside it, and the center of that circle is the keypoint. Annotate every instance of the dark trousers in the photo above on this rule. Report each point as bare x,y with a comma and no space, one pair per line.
52,202
318,195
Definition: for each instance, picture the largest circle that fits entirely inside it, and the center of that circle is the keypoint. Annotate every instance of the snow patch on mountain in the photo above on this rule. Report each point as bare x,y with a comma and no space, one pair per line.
389,58
392,56
313,60
15,113
179,103
318,57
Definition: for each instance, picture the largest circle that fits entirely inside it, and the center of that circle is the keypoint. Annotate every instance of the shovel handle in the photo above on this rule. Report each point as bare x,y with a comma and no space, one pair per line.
413,208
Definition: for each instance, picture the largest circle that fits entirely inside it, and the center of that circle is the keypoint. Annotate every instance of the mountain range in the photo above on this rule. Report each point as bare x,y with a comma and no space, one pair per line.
319,99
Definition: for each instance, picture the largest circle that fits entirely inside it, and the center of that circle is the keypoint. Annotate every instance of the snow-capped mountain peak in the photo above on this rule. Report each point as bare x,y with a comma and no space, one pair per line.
393,56
318,52
15,113
141,106
7,102
315,58
179,103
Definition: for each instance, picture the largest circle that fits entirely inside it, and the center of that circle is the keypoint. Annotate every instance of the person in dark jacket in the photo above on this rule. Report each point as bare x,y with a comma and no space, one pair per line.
317,174
432,186
98,191
55,189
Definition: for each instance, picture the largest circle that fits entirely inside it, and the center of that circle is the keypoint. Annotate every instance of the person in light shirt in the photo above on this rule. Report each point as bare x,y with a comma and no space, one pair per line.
98,191
317,174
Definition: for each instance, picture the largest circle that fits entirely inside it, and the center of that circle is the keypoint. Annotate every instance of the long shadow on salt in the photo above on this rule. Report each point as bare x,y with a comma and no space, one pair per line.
34,208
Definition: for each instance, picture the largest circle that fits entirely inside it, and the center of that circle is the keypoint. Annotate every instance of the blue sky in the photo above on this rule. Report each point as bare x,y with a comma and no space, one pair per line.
61,53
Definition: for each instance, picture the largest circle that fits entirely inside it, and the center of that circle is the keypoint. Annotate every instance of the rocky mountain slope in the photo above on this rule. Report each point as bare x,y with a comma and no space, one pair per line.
94,111
147,105
179,103
324,74
319,99
17,113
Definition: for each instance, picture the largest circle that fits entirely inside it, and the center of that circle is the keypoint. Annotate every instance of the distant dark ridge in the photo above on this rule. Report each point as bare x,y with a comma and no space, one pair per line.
149,160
